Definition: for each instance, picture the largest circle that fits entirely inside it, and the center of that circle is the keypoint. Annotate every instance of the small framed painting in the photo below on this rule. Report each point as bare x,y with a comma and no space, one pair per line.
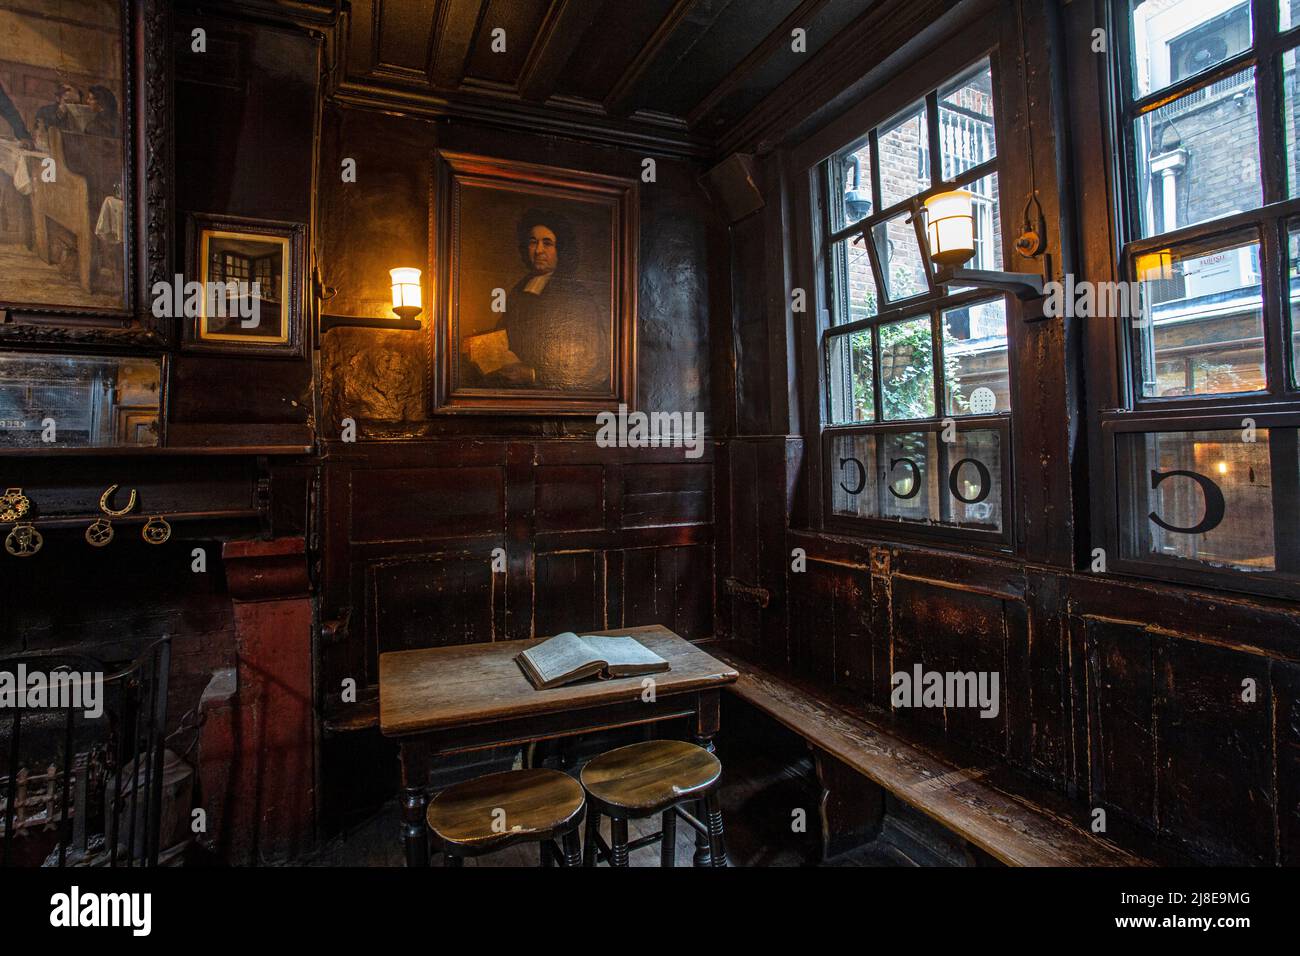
245,287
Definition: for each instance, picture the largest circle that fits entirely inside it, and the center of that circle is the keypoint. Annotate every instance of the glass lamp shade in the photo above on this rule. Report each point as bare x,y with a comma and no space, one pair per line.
950,228
406,292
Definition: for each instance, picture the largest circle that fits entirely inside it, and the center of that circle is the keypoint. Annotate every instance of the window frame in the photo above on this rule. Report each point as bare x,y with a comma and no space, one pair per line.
1275,407
932,303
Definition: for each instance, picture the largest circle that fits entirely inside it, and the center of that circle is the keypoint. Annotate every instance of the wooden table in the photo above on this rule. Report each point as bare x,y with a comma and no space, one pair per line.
449,700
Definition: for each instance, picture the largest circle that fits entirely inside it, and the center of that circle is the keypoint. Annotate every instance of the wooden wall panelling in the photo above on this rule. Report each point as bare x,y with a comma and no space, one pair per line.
1285,679
1121,743
812,639
882,614
1045,709
947,629
517,610
255,95
1214,766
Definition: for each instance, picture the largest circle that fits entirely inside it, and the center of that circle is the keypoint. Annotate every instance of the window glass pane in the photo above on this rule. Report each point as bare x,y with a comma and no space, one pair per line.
909,471
900,257
907,369
1201,496
850,176
966,123
853,474
988,224
1205,334
1290,104
1198,157
849,376
1176,39
1293,286
975,359
904,157
855,284
1289,14
973,485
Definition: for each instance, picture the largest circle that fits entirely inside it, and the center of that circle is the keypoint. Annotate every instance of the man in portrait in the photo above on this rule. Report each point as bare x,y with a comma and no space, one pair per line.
553,334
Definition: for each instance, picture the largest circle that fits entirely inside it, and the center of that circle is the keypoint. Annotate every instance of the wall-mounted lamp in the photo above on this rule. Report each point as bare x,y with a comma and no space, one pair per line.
407,304
950,230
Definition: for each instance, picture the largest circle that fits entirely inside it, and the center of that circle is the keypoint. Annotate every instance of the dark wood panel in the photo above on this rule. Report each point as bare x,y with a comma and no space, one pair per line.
1121,742
569,592
1214,786
655,495
669,586
431,602
394,504
405,32
953,631
521,20
1286,696
570,498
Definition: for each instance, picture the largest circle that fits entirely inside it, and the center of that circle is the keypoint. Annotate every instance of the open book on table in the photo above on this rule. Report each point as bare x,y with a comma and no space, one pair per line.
567,657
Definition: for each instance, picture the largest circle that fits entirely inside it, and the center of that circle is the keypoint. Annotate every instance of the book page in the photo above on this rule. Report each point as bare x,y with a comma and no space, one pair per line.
490,351
625,656
560,659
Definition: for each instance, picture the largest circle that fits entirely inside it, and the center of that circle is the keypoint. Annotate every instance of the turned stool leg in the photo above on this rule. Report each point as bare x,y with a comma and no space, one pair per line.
668,846
703,855
618,841
589,841
572,848
717,847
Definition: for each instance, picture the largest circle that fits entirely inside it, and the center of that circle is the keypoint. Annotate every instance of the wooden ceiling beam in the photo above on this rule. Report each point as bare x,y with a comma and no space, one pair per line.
565,24
621,96
454,24
774,41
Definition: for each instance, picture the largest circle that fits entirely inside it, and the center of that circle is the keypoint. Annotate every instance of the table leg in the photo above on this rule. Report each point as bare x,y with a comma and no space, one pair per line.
415,803
706,726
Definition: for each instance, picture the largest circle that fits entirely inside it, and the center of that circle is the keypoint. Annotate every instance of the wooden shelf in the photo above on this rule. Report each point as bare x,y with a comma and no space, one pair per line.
134,451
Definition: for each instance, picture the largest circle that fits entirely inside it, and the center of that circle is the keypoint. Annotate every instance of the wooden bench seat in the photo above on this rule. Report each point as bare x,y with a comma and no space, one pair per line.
970,797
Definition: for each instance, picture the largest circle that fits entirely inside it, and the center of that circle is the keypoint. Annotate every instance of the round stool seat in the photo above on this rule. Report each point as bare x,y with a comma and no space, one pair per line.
650,776
530,805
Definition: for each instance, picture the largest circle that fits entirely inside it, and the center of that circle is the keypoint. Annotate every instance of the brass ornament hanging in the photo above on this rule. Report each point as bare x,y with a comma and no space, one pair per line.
14,504
99,533
23,540
116,512
156,530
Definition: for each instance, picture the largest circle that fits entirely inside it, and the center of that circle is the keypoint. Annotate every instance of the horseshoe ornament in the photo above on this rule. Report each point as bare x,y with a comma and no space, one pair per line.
118,512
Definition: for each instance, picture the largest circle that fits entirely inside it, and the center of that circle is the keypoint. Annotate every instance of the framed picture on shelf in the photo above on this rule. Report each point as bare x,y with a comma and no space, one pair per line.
537,300
244,289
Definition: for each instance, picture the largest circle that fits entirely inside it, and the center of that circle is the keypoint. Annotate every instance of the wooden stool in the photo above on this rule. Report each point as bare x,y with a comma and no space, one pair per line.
657,776
500,809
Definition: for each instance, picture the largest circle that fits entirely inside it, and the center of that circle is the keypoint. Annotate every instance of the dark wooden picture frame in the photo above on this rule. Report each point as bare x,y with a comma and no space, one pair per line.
292,237
482,248
146,192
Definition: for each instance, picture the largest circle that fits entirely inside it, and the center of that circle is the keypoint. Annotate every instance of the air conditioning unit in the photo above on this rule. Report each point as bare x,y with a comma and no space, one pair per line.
1224,271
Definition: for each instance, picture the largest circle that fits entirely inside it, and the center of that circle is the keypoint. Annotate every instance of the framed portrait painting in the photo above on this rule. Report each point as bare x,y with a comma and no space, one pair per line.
84,159
537,311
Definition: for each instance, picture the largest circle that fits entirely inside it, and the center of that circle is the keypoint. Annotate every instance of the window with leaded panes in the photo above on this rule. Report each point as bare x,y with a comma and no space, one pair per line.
918,393
1201,455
